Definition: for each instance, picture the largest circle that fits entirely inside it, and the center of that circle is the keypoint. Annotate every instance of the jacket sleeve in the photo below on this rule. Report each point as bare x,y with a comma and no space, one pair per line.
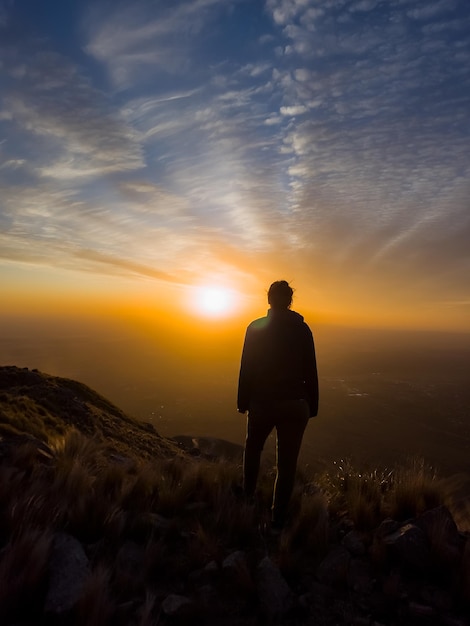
244,382
311,373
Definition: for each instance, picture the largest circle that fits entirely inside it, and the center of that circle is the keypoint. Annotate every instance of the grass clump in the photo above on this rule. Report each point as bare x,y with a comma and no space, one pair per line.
370,496
148,526
416,488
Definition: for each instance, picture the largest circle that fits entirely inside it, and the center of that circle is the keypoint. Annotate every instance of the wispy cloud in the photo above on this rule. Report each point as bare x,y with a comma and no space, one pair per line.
135,39
378,165
119,265
432,9
79,132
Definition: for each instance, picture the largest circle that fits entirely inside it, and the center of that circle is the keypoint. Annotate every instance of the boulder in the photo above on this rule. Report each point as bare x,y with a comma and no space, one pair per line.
160,523
421,611
68,570
410,545
175,605
354,542
333,570
234,562
209,599
361,576
130,557
204,575
443,535
274,594
386,527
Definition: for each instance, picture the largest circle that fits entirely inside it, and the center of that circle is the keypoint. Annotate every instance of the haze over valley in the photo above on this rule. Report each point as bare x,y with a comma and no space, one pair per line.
385,395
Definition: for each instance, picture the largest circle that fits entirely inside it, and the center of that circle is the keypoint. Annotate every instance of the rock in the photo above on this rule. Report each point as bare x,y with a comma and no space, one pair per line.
360,576
316,598
411,546
386,527
159,522
439,598
68,571
236,570
274,594
439,520
234,562
341,528
392,585
417,609
120,459
211,567
378,550
176,606
333,569
205,574
354,543
443,535
450,620
130,558
208,599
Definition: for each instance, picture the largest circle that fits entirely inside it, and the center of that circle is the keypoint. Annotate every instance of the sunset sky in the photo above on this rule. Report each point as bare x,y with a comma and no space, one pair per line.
149,148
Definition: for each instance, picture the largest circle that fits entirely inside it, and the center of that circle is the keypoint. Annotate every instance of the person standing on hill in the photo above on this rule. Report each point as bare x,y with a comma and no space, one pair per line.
278,386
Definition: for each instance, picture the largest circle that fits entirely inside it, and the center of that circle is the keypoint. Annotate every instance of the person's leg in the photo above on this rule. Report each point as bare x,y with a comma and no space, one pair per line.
291,422
259,424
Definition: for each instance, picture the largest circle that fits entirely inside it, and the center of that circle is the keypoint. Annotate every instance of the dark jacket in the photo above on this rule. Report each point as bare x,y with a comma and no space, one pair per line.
278,361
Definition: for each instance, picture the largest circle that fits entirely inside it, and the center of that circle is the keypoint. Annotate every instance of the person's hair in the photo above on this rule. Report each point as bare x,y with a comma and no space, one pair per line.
280,295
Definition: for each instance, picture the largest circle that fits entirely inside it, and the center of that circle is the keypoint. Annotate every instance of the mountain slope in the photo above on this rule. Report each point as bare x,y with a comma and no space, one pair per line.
36,404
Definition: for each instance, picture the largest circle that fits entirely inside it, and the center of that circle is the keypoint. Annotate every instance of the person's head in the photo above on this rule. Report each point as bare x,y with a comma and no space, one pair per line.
280,295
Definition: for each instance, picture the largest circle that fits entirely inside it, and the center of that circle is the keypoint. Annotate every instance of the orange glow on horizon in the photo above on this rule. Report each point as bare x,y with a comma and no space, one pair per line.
213,303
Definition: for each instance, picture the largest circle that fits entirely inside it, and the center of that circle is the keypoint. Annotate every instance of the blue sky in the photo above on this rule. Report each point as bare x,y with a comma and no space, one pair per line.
324,141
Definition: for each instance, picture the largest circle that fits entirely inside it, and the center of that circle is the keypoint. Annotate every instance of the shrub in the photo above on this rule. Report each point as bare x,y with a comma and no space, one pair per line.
415,488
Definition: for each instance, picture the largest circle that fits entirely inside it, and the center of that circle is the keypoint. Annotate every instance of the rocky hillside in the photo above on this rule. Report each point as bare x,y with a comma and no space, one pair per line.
105,523
34,404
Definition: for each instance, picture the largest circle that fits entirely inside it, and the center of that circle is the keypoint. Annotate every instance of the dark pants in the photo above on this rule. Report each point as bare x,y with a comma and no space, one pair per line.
290,419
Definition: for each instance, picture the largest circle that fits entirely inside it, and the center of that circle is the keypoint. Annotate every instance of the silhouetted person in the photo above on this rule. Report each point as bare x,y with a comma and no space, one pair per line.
278,386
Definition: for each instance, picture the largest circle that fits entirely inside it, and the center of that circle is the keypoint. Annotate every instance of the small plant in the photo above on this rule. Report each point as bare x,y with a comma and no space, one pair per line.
370,496
415,489
74,446
204,546
95,606
360,493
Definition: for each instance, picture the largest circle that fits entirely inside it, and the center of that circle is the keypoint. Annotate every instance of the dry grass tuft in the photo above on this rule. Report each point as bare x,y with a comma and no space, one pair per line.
204,546
370,496
415,489
95,606
74,446
309,527
359,493
146,612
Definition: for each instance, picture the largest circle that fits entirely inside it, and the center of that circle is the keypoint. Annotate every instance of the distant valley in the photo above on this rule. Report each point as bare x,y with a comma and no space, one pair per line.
383,397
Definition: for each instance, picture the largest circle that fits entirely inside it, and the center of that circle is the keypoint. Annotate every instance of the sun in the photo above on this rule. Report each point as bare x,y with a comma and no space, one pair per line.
215,301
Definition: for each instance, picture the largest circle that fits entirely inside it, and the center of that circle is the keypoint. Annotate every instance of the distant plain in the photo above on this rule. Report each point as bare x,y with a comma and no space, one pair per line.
385,395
